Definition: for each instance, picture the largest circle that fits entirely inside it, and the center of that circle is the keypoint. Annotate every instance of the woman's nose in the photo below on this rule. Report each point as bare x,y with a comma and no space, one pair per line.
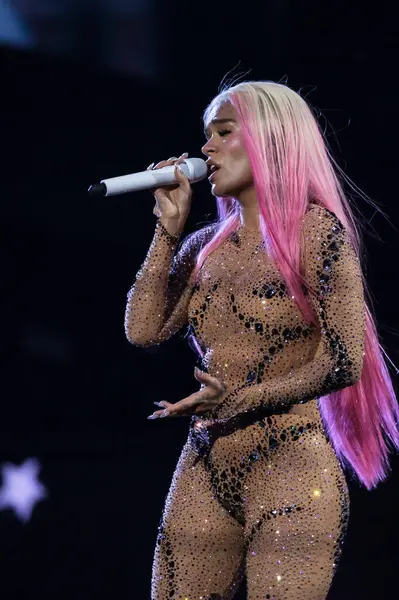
207,148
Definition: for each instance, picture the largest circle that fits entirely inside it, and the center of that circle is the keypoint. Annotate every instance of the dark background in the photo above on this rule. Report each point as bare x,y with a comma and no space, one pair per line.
75,394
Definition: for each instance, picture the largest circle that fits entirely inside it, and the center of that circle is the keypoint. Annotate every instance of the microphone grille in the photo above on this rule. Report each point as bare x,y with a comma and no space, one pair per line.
197,167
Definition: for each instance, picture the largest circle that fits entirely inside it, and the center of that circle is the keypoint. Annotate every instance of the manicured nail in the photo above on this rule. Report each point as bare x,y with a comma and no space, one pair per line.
164,414
152,417
161,404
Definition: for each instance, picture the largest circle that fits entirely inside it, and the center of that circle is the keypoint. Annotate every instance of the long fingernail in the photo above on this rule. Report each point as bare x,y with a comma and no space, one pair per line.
185,154
164,414
152,417
150,166
159,404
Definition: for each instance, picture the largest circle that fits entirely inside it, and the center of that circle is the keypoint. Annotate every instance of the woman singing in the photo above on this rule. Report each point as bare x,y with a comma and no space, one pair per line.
294,385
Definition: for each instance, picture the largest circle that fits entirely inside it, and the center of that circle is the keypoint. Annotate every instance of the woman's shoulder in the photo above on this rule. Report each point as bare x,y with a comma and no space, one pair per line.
194,241
318,216
322,233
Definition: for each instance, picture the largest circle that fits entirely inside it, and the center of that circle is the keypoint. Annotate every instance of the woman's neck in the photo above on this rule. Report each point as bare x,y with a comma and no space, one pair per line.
249,218
249,214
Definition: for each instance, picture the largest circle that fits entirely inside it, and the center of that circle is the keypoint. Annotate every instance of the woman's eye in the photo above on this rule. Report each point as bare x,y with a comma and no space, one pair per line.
222,132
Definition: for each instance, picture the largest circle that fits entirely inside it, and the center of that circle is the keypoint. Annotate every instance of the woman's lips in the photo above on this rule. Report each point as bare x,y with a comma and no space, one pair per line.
212,175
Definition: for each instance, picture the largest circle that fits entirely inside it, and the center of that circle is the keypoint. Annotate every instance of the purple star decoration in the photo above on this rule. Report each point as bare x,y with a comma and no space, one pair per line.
21,490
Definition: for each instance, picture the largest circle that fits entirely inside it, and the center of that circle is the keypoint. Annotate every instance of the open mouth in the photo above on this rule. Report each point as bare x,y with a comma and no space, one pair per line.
214,170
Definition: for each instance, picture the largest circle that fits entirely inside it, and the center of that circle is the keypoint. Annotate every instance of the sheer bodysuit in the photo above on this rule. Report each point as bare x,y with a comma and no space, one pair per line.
258,490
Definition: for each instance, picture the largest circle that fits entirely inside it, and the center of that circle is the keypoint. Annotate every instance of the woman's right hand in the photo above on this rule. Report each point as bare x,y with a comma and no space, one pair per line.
173,202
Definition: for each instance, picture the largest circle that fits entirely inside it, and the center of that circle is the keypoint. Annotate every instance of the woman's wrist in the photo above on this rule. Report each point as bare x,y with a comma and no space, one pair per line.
172,227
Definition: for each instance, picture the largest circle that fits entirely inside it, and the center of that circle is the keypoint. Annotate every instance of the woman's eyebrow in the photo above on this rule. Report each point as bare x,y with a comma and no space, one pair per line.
218,122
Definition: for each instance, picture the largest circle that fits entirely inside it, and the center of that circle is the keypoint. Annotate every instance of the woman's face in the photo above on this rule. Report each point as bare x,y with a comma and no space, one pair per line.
225,148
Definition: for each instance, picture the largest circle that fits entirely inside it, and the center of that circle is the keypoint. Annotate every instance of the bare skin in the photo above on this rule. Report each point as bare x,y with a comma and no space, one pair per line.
225,148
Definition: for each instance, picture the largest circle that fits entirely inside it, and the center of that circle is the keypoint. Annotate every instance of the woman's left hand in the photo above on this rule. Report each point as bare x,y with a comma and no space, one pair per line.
207,398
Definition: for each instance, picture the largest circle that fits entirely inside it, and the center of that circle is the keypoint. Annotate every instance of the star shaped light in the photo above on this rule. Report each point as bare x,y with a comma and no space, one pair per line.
21,490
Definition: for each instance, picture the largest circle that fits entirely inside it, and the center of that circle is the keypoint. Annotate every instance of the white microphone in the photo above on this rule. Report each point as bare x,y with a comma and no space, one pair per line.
194,169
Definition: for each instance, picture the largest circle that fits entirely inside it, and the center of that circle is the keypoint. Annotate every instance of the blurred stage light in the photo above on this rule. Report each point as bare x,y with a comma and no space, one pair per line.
115,35
21,489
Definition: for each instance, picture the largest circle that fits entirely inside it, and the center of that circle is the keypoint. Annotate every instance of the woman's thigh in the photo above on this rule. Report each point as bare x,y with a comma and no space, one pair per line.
200,547
296,513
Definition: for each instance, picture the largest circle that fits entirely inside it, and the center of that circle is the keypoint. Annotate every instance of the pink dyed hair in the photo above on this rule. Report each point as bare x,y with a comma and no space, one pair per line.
291,164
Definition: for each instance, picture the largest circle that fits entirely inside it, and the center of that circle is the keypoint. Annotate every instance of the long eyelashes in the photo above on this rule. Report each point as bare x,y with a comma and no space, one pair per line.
222,133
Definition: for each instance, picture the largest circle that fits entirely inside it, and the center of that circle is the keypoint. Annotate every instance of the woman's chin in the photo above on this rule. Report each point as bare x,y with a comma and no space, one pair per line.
220,191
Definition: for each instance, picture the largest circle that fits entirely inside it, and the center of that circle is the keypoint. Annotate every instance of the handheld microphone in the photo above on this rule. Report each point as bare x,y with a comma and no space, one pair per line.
194,169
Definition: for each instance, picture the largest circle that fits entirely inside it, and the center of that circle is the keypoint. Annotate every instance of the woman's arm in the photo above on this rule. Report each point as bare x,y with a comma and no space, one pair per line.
158,301
332,269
